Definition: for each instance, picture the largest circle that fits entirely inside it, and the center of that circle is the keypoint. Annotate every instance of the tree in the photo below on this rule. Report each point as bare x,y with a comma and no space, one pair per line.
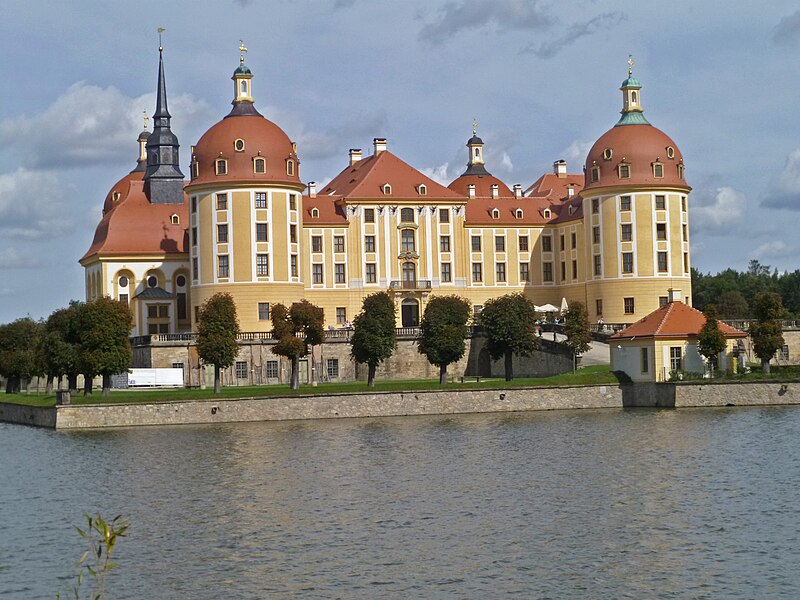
766,331
58,350
510,328
443,330
297,329
104,328
576,328
731,304
710,340
374,332
217,330
18,357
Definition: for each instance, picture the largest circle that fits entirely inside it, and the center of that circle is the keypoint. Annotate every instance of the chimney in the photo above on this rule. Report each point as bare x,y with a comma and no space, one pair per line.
355,155
380,145
471,192
560,168
674,295
312,189
517,190
495,190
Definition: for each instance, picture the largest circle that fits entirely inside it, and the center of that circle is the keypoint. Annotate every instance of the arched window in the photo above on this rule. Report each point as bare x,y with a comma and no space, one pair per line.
658,170
595,174
406,215
222,166
195,170
175,219
633,97
407,240
518,213
259,165
546,213
409,272
290,167
244,86
422,189
477,152
495,213
315,213
624,171
386,189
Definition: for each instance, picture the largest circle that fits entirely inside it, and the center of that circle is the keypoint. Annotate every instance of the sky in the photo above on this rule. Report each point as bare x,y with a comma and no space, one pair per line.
540,76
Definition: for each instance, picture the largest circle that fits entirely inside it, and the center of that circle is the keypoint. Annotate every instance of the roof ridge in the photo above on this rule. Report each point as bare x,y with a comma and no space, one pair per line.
664,318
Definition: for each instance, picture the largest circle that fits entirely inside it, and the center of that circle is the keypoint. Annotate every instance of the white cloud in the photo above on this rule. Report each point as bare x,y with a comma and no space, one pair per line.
576,153
720,215
32,205
505,162
439,174
775,249
88,125
576,31
787,31
504,15
10,258
784,192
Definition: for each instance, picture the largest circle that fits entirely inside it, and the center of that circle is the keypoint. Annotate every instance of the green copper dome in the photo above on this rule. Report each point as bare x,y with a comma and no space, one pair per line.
242,70
631,81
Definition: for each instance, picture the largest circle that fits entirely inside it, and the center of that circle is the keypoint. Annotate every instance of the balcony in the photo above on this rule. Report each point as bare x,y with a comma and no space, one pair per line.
412,284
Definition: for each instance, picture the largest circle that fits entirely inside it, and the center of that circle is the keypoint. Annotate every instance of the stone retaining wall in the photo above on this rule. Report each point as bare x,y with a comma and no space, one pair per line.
39,416
685,395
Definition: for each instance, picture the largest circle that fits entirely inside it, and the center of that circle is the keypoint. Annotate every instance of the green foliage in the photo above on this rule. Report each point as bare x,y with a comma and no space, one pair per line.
295,329
58,350
19,359
510,328
710,340
217,330
731,304
576,328
443,330
309,320
101,537
374,331
766,332
103,328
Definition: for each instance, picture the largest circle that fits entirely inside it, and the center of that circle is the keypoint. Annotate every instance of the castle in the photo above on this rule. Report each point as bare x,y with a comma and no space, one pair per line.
614,237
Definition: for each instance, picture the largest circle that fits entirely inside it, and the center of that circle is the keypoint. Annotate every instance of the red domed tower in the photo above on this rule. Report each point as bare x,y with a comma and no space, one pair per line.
245,210
635,217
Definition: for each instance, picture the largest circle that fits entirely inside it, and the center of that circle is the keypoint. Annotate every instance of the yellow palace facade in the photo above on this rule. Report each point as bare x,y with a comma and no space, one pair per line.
614,237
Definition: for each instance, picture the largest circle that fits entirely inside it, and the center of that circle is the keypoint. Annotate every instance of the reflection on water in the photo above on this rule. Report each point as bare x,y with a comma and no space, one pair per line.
593,504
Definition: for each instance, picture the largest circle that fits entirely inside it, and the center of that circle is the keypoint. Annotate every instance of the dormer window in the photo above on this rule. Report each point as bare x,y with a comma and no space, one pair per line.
290,167
495,213
221,166
518,213
175,219
386,189
595,174
670,152
658,170
546,213
116,196
422,189
407,215
680,171
624,170
195,170
315,213
608,153
259,165
238,145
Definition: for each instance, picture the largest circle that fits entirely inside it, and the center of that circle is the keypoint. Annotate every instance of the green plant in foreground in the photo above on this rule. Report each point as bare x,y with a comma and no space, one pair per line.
101,537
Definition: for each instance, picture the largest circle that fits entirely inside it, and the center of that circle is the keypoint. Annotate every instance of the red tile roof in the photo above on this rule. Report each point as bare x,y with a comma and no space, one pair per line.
673,320
331,211
554,188
483,186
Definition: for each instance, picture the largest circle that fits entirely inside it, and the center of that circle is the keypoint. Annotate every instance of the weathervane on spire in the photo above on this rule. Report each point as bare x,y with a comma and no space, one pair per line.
146,119
630,64
474,126
242,50
160,31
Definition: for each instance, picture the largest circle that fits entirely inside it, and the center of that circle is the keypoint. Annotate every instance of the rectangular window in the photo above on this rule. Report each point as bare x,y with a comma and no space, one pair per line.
222,233
222,201
444,243
333,368
547,243
684,232
316,243
658,170
195,268
661,231
293,234
595,235
595,174
500,243
292,202
661,202
194,204
628,305
371,274
194,236
573,240
338,270
263,311
444,215
524,272
598,265
574,269
124,298
261,232
683,203
261,200
293,265
685,263
500,271
645,361
241,369
182,311
476,243
177,365
624,202
316,273
663,301
341,315
627,232
547,271
163,311
624,171
562,245
262,265
222,265
662,262
369,215
627,262
595,205
271,369
369,243
523,243
563,271
338,243
408,240
675,358
598,307
152,311
447,275
152,328
785,352
477,272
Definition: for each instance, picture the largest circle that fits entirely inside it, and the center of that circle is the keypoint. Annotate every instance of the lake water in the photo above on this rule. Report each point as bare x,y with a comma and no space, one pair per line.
568,504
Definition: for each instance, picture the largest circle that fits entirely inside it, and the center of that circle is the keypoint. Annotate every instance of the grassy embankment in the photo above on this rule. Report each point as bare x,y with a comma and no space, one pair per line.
591,375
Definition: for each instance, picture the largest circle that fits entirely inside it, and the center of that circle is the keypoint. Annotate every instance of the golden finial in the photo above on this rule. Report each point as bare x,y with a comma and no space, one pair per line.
630,64
474,126
242,50
146,119
160,31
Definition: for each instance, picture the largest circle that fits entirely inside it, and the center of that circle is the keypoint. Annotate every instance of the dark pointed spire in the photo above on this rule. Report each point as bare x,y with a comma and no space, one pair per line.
163,180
